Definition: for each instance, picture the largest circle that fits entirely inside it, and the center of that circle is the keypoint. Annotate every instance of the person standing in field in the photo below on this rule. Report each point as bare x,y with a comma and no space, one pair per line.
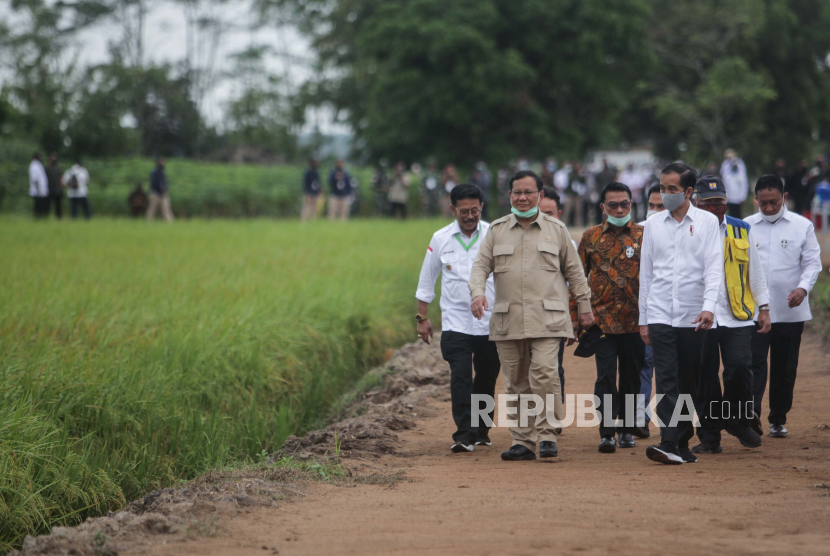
733,174
464,342
791,259
76,180
534,264
744,288
53,176
311,191
340,184
681,269
449,179
398,193
39,187
137,201
429,190
159,192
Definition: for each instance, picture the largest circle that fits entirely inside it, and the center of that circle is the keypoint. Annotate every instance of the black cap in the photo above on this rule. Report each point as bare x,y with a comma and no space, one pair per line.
588,340
710,187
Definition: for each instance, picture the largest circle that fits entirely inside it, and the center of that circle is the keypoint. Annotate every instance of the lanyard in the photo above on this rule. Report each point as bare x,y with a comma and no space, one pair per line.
473,241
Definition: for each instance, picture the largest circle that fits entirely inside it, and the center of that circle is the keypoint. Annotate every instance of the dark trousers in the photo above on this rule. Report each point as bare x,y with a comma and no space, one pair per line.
57,202
464,352
781,343
82,202
41,207
397,208
677,356
561,368
734,210
630,352
646,378
727,409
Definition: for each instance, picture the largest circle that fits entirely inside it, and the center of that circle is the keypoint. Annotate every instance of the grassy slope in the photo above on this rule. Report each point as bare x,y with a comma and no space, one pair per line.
136,354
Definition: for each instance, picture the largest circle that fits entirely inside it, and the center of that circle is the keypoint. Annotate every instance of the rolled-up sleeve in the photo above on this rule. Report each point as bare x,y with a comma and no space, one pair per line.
810,260
646,272
429,274
482,267
713,267
572,265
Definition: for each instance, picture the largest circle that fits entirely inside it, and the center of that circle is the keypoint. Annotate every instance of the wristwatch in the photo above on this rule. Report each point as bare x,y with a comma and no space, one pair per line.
763,308
419,318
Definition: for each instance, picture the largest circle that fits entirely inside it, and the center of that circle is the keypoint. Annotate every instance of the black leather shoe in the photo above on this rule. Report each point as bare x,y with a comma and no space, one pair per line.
686,455
777,431
705,448
665,453
517,452
755,424
548,449
626,440
746,436
641,432
608,445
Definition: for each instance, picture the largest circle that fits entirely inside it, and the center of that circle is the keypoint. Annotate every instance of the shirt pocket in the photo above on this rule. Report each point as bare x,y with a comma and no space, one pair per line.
499,318
504,257
738,250
556,317
548,256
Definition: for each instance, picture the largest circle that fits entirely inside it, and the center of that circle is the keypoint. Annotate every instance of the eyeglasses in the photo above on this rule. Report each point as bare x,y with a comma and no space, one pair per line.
625,205
469,212
518,194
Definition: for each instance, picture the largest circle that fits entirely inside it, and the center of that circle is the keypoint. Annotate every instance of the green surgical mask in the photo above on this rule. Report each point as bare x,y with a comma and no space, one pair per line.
619,222
526,214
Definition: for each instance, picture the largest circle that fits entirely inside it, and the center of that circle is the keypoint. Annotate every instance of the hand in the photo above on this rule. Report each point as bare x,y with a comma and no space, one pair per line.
479,306
425,330
586,320
704,320
796,297
764,321
644,335
573,340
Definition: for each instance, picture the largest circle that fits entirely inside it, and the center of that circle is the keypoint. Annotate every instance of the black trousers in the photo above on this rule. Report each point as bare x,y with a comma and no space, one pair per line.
718,409
41,207
57,202
781,343
677,356
734,210
397,208
79,202
630,351
464,352
561,368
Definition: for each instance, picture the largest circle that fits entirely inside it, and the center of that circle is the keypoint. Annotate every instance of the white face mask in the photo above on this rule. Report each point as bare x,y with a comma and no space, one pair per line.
774,217
651,213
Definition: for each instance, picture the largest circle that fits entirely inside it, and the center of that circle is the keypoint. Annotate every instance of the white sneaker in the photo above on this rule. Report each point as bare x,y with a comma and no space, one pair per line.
459,447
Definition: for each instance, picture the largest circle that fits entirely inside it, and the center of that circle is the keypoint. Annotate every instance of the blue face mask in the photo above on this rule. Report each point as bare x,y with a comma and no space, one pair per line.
619,222
528,213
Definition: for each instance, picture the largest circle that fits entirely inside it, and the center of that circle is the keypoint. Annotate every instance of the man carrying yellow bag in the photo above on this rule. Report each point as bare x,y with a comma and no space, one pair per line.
744,288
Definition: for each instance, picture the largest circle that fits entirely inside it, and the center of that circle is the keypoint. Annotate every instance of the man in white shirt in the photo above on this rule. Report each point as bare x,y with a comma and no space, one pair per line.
76,181
791,259
681,268
743,289
39,187
635,181
733,174
465,341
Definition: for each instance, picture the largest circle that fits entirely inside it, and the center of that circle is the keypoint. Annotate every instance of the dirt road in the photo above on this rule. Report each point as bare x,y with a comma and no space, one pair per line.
772,500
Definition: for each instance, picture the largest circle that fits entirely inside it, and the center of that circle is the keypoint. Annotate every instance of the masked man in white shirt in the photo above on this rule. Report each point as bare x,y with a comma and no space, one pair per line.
39,187
733,174
465,340
743,290
791,259
681,268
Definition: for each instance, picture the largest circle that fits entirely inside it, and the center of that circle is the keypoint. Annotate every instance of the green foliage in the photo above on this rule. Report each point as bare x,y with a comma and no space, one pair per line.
133,356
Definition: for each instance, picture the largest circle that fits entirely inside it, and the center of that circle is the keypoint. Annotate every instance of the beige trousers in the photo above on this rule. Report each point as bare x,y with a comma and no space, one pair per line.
309,207
164,201
338,208
531,366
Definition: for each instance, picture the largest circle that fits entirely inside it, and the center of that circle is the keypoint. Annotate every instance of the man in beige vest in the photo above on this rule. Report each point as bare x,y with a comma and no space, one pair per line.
534,262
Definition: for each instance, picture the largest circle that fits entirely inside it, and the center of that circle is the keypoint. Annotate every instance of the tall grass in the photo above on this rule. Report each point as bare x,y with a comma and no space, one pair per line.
133,354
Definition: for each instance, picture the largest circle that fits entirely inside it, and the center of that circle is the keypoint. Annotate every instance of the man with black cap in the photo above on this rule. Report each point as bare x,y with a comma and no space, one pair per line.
681,269
744,288
610,254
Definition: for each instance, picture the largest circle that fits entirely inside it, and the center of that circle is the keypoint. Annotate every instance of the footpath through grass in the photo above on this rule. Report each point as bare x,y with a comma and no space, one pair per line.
136,354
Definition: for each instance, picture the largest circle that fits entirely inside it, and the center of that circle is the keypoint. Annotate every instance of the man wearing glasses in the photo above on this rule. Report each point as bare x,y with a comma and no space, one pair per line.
534,264
464,341
610,254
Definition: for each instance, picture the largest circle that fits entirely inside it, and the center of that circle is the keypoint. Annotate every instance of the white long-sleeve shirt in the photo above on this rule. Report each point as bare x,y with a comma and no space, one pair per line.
681,268
38,183
791,258
448,257
735,180
757,285
82,176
